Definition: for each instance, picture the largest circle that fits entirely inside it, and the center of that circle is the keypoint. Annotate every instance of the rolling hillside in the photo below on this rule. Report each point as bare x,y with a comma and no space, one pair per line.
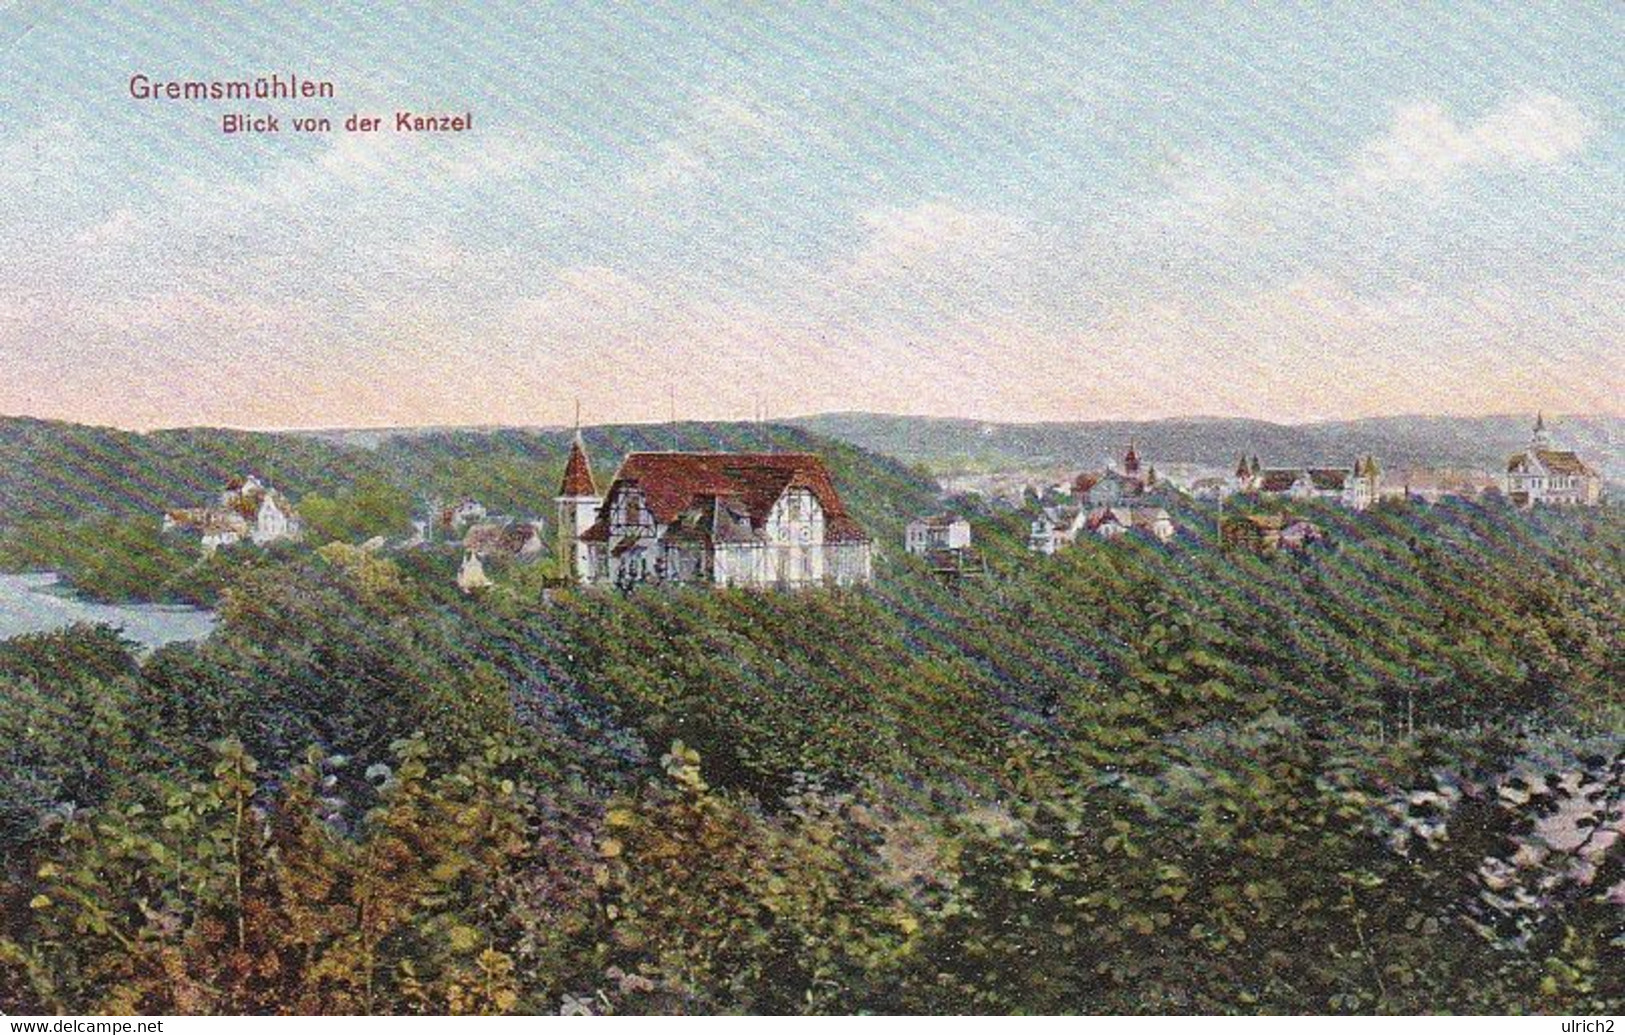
57,471
948,445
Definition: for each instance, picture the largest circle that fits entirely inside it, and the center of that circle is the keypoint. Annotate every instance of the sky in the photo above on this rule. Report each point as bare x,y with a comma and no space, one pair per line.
1287,211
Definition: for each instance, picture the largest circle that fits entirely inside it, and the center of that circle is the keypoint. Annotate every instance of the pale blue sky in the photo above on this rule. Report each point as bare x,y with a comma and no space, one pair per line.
1269,210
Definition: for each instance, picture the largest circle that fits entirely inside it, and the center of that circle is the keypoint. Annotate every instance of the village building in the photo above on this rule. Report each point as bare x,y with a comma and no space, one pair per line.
248,510
576,507
1112,522
471,577
937,532
1356,487
1541,474
1431,485
452,520
511,540
732,519
1055,527
1112,486
944,541
214,527
1266,533
1059,526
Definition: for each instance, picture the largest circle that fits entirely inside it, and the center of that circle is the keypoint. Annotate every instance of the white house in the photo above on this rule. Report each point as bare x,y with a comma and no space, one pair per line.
1540,474
577,508
734,519
248,509
1055,527
471,576
937,532
274,518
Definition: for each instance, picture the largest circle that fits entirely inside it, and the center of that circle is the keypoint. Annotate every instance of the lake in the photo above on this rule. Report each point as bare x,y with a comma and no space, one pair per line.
39,603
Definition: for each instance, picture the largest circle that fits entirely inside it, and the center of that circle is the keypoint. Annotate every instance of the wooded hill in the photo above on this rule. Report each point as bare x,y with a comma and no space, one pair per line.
952,444
65,472
1375,776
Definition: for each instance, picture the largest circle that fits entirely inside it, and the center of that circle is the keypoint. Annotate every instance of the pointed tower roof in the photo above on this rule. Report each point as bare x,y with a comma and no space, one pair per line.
1131,460
1241,467
1541,438
578,481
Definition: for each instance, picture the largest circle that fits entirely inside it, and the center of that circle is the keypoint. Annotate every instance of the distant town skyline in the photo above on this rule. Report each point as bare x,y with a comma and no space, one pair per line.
989,212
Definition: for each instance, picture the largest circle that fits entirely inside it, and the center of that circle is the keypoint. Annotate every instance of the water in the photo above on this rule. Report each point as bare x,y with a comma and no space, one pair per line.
37,603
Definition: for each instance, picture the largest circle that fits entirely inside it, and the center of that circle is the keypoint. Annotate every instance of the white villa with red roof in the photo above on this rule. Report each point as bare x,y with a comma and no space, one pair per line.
733,519
1554,477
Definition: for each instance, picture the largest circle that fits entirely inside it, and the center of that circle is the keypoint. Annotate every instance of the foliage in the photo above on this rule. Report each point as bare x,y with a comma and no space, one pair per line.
371,507
122,559
1384,775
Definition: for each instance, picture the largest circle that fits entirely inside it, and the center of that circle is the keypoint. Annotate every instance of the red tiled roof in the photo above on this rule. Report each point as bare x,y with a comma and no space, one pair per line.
1563,462
1276,480
672,483
578,479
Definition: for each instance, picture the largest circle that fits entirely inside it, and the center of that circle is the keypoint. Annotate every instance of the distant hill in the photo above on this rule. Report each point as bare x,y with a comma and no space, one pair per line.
50,469
948,445
53,470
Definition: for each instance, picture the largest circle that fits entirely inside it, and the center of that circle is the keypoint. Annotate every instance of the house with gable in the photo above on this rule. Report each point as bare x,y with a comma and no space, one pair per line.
944,541
248,510
1114,485
1356,487
1542,474
732,519
1112,522
1056,527
935,533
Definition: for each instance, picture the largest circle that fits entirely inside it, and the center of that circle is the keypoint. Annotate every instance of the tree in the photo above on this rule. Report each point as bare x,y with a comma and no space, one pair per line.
370,507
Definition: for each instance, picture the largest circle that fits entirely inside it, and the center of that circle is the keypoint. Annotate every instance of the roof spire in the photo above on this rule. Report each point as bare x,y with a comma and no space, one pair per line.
578,481
1541,439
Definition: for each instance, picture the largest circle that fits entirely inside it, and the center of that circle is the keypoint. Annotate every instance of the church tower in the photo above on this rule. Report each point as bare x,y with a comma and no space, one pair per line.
1541,438
578,504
